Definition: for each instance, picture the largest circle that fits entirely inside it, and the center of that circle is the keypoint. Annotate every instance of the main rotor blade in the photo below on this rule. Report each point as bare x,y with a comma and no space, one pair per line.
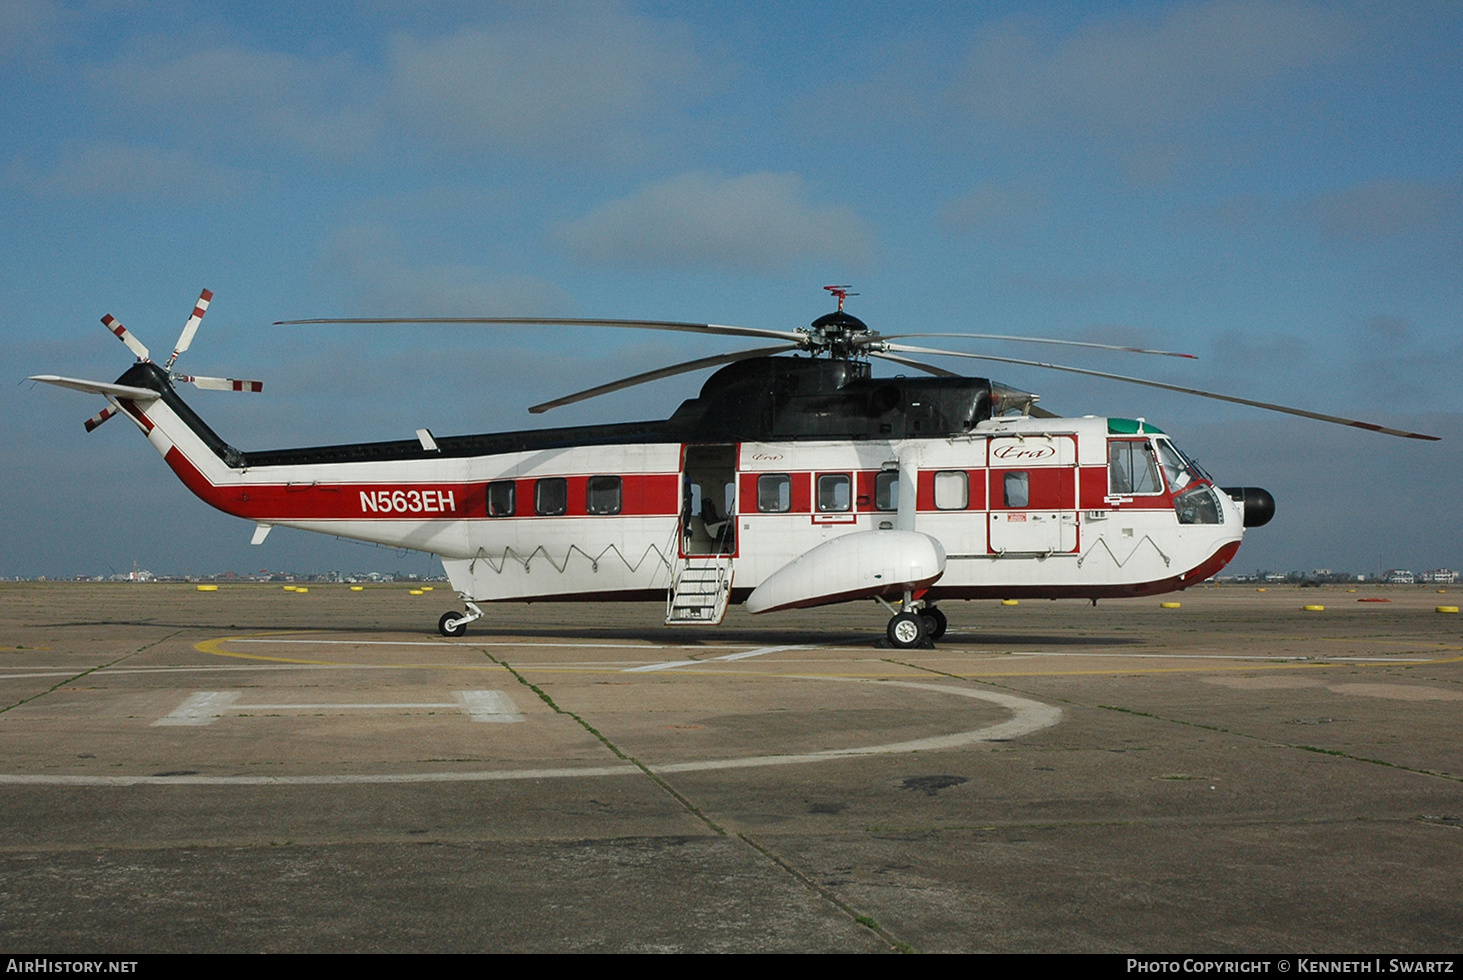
702,328
185,339
1032,410
123,334
909,362
665,372
1033,340
1339,420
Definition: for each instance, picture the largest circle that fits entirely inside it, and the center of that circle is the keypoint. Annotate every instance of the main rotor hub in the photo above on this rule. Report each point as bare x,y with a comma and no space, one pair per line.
840,334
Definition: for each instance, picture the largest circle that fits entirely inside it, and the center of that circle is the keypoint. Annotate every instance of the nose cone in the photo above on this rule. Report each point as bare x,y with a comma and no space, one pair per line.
1258,504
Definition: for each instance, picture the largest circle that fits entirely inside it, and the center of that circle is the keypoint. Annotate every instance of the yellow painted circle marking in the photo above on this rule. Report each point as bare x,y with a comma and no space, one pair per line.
1314,608
415,592
1171,605
208,588
1447,609
1010,602
358,588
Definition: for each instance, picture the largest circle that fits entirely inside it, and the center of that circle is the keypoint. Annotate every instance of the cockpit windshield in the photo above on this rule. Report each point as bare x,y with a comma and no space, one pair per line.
1178,469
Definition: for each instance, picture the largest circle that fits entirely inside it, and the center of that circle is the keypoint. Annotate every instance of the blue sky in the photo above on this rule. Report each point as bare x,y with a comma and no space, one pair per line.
1276,187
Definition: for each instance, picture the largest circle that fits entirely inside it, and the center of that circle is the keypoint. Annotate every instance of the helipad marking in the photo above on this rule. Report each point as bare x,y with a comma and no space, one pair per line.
743,655
1027,716
489,706
1220,656
444,643
203,708
206,707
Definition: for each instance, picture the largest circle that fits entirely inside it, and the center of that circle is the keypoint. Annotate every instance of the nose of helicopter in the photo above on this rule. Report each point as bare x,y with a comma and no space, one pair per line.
1259,505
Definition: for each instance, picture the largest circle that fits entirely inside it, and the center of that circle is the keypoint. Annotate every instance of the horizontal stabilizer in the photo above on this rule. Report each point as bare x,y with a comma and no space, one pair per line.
98,387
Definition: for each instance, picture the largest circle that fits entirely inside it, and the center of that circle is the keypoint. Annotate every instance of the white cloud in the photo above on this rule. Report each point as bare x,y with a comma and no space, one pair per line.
27,26
992,208
236,95
369,265
760,222
1140,85
581,82
132,171
1384,208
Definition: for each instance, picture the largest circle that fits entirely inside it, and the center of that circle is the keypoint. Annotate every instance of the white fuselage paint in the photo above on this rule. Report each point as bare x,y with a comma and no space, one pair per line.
1070,548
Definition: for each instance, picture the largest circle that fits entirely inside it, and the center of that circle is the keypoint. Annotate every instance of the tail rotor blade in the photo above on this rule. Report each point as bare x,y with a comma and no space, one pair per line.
101,417
185,339
221,384
123,334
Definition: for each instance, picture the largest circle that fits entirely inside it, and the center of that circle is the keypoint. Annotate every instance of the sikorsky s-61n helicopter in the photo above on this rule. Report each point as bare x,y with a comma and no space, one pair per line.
794,479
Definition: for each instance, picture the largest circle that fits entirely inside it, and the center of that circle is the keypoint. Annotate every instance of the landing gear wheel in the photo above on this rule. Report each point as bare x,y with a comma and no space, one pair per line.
448,617
907,631
935,622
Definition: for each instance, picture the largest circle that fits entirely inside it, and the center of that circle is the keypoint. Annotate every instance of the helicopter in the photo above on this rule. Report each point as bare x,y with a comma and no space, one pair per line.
794,479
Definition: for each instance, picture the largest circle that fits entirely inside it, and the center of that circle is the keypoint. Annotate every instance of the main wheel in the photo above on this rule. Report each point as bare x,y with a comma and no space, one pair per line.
906,631
935,622
447,630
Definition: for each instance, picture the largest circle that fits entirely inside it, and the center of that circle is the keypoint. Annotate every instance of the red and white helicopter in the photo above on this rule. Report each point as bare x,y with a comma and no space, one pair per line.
791,481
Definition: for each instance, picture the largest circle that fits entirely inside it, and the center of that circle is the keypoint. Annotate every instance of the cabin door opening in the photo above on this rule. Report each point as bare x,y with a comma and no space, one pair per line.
709,500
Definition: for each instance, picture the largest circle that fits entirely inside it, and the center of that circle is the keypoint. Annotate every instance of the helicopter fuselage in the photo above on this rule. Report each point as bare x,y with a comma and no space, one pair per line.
777,458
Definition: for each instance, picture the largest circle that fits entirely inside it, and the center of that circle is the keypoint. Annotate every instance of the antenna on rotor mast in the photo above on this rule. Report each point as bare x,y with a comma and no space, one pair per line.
842,293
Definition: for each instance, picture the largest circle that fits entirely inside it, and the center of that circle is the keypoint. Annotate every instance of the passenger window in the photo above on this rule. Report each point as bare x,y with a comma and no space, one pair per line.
834,492
952,490
886,490
603,495
501,498
1016,488
1130,468
774,493
551,496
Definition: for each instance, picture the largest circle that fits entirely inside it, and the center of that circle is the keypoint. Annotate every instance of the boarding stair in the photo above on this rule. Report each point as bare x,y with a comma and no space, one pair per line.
700,590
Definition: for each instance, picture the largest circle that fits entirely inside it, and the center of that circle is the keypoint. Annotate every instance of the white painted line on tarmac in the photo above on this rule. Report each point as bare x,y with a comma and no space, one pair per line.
742,655
759,652
203,708
1027,716
1220,656
363,706
444,643
489,706
663,665
206,707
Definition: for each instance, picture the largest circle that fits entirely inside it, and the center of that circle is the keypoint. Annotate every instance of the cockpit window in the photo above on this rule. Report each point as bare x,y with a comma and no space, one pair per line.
1198,505
1178,468
1130,467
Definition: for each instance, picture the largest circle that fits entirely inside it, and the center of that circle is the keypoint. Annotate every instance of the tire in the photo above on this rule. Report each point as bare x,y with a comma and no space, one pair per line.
906,631
445,630
935,622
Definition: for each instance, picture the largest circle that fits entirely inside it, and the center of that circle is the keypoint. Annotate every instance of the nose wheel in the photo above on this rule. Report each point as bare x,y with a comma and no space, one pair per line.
907,631
935,622
914,625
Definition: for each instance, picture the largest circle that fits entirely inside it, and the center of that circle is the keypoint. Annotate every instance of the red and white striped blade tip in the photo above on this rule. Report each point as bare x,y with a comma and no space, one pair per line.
123,334
224,384
185,339
99,418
